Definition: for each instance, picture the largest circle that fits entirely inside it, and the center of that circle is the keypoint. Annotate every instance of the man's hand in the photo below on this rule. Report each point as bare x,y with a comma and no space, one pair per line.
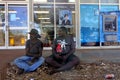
34,59
31,62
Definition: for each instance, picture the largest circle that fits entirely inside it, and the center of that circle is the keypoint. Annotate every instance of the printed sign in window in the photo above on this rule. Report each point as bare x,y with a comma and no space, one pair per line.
65,17
111,37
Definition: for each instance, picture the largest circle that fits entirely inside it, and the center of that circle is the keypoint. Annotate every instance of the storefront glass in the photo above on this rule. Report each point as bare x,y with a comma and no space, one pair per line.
17,15
17,24
17,37
64,11
44,22
109,25
89,25
2,25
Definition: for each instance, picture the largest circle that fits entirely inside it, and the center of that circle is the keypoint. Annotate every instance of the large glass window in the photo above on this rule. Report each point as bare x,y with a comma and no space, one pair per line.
89,27
17,24
13,24
2,25
65,16
17,15
44,22
109,25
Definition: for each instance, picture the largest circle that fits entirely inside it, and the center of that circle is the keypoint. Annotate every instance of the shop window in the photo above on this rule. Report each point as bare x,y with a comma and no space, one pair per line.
109,25
63,12
89,1
17,15
17,37
44,22
89,28
2,24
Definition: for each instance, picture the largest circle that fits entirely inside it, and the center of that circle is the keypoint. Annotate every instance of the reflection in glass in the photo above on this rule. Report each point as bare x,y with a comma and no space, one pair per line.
44,22
17,37
61,11
17,15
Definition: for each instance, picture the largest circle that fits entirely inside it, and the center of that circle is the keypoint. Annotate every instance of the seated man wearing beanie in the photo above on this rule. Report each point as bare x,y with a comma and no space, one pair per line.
33,57
63,50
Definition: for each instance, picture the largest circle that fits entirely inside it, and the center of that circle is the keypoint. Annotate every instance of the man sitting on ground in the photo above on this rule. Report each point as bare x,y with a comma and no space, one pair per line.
62,57
33,58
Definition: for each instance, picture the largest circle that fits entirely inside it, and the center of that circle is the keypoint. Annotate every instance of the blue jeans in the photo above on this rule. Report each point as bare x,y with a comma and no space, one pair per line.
22,62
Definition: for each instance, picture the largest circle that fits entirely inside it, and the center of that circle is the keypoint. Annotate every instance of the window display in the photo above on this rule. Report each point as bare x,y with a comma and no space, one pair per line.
44,22
65,16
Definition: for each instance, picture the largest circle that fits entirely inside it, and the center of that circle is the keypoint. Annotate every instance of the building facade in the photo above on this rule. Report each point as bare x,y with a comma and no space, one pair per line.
94,24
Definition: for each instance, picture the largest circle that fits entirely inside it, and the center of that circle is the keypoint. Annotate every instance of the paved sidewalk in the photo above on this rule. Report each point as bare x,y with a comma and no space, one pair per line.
85,55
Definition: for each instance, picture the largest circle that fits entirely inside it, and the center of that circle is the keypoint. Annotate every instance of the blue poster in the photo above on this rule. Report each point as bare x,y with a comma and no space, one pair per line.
65,17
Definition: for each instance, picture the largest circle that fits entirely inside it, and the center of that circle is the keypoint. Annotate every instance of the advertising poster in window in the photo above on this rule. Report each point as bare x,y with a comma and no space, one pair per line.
110,23
65,17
